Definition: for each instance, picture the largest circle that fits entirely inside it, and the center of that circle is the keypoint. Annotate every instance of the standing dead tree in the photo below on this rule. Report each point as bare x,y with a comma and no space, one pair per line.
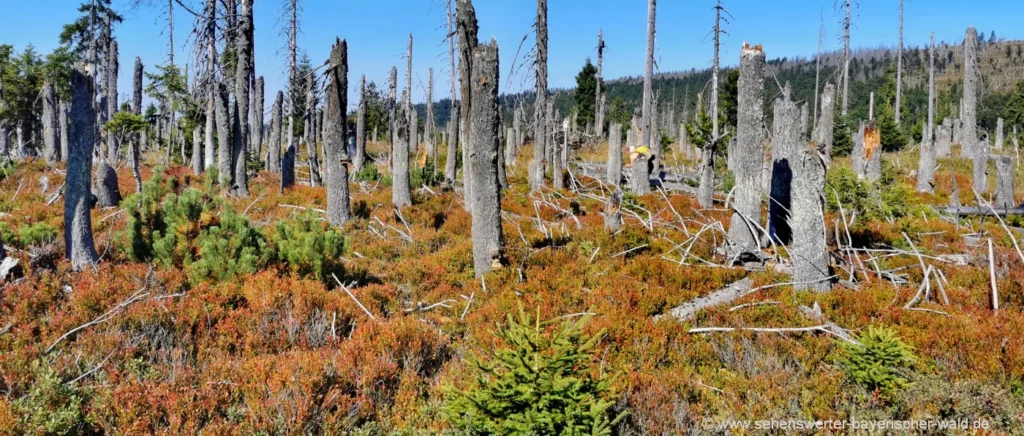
599,97
243,73
809,251
401,195
540,120
975,149
488,241
641,177
224,167
210,36
825,126
466,26
614,169
817,74
336,136
256,145
1005,198
358,159
78,240
428,124
926,162
450,167
899,68
276,130
786,144
137,109
750,153
51,152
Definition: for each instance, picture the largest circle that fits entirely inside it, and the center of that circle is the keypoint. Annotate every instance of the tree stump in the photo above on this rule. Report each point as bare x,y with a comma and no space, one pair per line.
287,169
809,250
613,170
485,150
749,157
613,211
336,155
1005,198
78,241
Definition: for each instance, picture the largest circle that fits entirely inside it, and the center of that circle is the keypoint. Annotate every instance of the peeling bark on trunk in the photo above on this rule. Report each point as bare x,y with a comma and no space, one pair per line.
224,168
872,153
786,144
970,99
614,168
357,160
336,156
276,131
49,119
467,28
106,190
809,250
78,241
488,241
1005,198
750,153
539,114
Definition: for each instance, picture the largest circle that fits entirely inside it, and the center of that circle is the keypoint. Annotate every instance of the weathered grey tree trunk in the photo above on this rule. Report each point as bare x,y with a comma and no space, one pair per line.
407,101
540,121
970,99
557,181
453,146
243,74
510,149
488,241
287,169
224,164
136,140
817,79
312,159
846,23
336,155
786,144
899,69
357,160
78,241
926,162
999,134
276,132
717,34
50,130
655,140
428,124
1005,198
641,183
197,151
944,139
467,28
256,147
750,153
392,108
871,107
980,159
613,211
857,155
926,168
62,127
106,190
614,169
111,90
804,121
599,98
401,195
827,123
210,154
872,153
809,251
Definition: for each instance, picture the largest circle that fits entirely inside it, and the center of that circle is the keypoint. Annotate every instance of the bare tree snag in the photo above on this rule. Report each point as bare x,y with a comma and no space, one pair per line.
970,99
62,126
1005,198
613,209
899,69
106,190
256,146
944,139
210,37
872,153
599,98
428,124
846,23
804,121
539,115
750,152
614,169
450,166
809,250
926,161
857,156
488,241
825,126
358,159
287,169
312,158
999,134
111,94
51,152
197,151
641,177
78,242
336,137
817,78
980,159
401,195
786,143
467,28
224,164
276,131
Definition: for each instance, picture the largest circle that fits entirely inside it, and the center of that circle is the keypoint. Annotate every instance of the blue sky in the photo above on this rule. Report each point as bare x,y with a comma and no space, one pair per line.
377,32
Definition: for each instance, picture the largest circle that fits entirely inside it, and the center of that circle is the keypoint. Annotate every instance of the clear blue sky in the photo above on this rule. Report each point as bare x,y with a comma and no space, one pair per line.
377,32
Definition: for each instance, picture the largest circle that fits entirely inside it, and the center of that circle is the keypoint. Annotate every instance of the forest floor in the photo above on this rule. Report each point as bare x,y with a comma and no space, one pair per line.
230,328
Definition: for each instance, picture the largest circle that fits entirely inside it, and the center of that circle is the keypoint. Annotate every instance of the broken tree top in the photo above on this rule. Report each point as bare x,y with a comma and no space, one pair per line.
747,48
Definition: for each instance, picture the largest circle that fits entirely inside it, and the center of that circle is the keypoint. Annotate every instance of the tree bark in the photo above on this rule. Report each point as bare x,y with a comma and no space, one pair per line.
613,209
847,23
999,134
78,241
750,152
926,161
599,98
50,129
827,123
1005,197
944,139
786,144
312,159
970,98
641,184
872,153
287,169
809,251
62,126
210,157
857,155
428,124
614,170
451,159
488,241
112,71
106,190
256,147
336,156
197,151
539,115
980,160
243,73
224,164
467,28
276,131
401,195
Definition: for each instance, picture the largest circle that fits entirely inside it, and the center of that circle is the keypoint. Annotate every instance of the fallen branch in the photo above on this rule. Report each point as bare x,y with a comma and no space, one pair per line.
816,328
138,295
345,288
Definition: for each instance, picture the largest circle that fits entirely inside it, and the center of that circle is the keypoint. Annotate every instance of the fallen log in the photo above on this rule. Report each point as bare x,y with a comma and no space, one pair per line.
727,294
982,211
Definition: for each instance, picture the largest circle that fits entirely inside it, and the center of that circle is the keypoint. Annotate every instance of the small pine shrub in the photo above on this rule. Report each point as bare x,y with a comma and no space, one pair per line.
367,174
877,362
38,234
229,248
425,176
888,197
537,384
308,246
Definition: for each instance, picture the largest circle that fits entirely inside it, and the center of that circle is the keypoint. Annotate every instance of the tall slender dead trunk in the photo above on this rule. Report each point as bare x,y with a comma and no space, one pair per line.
224,163
276,132
78,241
243,73
750,153
62,128
313,160
809,251
488,241
357,160
817,70
826,123
786,144
49,120
428,124
970,97
714,69
641,185
613,171
133,154
211,83
401,195
336,155
899,68
197,151
392,120
540,121
599,98
170,104
450,167
467,28
113,68
846,58
926,162
256,146
410,110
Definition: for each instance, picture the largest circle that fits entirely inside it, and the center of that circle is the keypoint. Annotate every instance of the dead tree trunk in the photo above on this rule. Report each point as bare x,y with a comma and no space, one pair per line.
809,251
817,79
557,181
224,167
357,160
488,241
136,140
451,160
899,68
467,28
641,178
336,155
197,151
970,99
49,120
826,124
312,159
111,89
243,73
256,147
804,114
944,139
401,195
288,168
872,153
857,155
1005,198
786,144
106,190
540,121
847,23
980,159
614,169
62,127
428,124
276,131
613,210
78,242
999,134
750,153
926,162
599,98
210,154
